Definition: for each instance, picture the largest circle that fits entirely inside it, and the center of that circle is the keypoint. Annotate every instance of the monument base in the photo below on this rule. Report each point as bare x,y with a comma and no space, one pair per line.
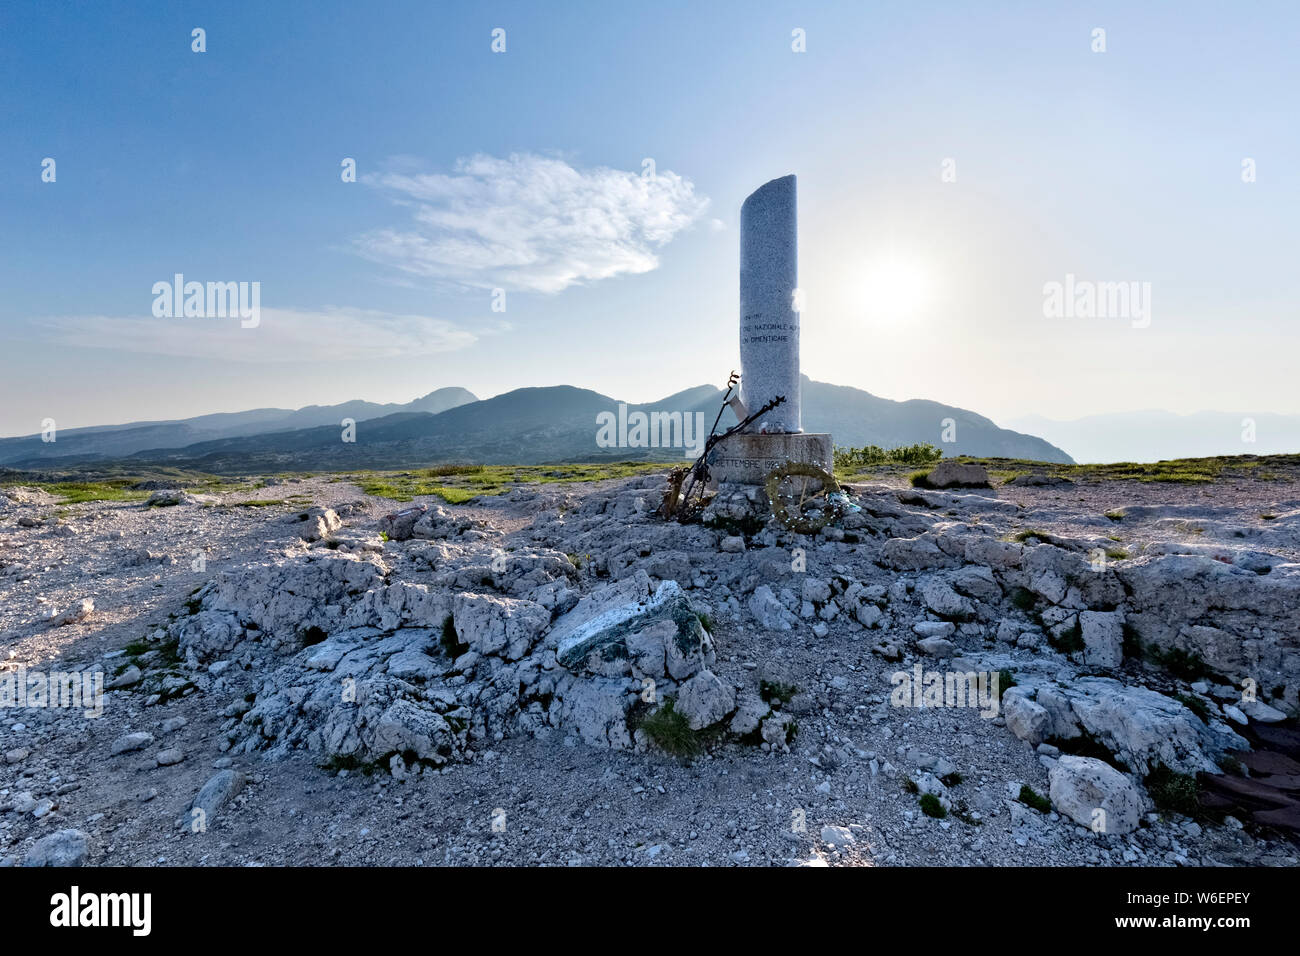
746,459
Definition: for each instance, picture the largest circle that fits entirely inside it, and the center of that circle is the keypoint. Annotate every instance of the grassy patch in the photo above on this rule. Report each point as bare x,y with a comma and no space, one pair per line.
1188,665
352,764
853,460
775,692
1032,798
671,732
1070,641
1023,598
1006,681
931,806
79,492
456,484
1197,706
920,479
1173,792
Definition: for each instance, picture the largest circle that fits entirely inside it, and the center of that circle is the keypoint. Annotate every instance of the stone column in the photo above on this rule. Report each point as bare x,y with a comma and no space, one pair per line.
769,325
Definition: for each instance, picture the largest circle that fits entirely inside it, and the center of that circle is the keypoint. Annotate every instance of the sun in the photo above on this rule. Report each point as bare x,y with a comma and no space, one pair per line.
896,288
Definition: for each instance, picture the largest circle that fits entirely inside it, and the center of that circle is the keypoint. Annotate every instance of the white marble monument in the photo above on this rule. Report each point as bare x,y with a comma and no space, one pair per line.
769,344
769,324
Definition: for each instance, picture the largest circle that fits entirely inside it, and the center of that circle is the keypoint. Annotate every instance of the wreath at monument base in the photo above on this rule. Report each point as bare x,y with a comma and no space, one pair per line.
795,504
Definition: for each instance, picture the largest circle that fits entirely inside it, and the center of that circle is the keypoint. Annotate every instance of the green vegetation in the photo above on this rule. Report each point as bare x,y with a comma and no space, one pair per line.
1006,681
854,460
1032,798
79,492
919,479
774,692
1196,705
1188,665
352,763
1178,470
1132,642
931,806
456,484
1023,598
1069,641
671,732
1173,792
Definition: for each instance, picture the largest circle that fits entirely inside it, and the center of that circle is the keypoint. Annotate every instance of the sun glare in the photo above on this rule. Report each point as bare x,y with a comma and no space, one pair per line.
896,288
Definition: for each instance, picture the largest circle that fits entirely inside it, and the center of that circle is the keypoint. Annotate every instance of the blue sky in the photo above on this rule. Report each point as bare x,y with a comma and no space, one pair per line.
522,170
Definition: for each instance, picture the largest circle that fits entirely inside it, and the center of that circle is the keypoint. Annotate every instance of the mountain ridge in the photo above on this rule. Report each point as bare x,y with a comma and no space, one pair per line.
530,425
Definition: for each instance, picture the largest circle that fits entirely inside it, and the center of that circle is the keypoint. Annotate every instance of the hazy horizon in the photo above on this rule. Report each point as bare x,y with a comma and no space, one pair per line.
951,166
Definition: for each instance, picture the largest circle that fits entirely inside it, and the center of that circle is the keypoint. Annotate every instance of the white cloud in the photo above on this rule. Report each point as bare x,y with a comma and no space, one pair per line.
530,222
283,335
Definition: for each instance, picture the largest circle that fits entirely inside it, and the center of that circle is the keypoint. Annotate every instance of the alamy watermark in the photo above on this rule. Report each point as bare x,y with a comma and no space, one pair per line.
1085,299
22,688
921,688
626,429
213,300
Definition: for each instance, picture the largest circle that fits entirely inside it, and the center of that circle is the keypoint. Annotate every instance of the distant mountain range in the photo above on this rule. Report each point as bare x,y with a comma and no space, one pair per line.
1154,435
108,442
525,426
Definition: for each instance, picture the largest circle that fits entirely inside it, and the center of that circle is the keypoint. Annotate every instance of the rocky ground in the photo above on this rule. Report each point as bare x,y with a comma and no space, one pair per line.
305,674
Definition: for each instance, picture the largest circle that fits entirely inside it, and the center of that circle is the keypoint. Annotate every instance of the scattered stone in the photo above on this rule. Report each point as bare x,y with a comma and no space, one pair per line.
62,848
128,678
220,789
75,615
934,628
1260,711
937,647
949,474
705,699
1080,787
131,742
837,837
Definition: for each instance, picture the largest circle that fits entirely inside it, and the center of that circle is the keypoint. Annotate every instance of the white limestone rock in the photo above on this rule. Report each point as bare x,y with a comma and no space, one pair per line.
705,699
1080,787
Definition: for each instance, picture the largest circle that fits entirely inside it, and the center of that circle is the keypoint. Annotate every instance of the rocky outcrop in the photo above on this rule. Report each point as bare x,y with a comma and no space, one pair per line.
1095,795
